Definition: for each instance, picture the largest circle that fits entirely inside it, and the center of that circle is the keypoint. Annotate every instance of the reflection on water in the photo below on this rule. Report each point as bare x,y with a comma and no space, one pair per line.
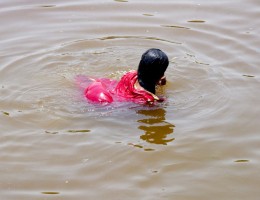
156,129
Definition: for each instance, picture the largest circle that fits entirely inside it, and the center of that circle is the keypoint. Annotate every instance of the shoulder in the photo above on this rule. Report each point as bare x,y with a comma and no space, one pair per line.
128,78
130,74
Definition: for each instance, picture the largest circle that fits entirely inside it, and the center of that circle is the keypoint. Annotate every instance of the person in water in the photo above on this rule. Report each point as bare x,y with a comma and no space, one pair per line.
137,86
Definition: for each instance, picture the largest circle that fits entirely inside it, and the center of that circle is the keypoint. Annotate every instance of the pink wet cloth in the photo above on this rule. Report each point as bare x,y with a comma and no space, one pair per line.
107,90
126,89
97,92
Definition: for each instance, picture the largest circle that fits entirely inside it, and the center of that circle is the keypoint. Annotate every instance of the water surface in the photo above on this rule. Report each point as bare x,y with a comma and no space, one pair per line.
202,143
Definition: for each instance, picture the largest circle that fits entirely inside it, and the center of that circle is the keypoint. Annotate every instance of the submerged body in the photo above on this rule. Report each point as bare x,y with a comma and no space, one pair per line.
127,89
136,86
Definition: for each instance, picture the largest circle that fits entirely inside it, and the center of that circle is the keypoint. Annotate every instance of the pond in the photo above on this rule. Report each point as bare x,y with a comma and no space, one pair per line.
201,143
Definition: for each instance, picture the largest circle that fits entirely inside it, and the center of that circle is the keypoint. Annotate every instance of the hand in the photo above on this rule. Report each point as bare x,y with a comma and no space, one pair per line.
162,81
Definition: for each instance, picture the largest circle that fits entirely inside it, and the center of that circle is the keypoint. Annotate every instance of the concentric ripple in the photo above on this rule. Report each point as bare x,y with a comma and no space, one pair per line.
55,144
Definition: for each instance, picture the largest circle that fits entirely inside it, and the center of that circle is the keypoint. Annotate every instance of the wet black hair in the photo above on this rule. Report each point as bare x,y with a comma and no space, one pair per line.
152,66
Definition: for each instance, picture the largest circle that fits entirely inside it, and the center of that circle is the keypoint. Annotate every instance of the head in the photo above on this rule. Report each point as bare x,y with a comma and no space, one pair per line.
152,66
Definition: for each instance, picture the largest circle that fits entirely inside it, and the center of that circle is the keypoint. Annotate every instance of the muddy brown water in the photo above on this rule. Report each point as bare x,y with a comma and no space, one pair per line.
202,143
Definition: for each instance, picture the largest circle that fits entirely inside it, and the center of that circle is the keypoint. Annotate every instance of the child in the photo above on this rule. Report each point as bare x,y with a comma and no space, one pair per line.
137,86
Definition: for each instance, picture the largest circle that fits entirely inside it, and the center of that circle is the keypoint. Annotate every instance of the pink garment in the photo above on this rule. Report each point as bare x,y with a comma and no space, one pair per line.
97,92
107,90
126,90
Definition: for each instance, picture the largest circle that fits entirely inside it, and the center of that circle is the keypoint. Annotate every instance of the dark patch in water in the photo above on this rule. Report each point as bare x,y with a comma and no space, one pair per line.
48,6
135,145
148,15
149,149
175,26
196,21
242,161
249,76
52,193
6,113
78,131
